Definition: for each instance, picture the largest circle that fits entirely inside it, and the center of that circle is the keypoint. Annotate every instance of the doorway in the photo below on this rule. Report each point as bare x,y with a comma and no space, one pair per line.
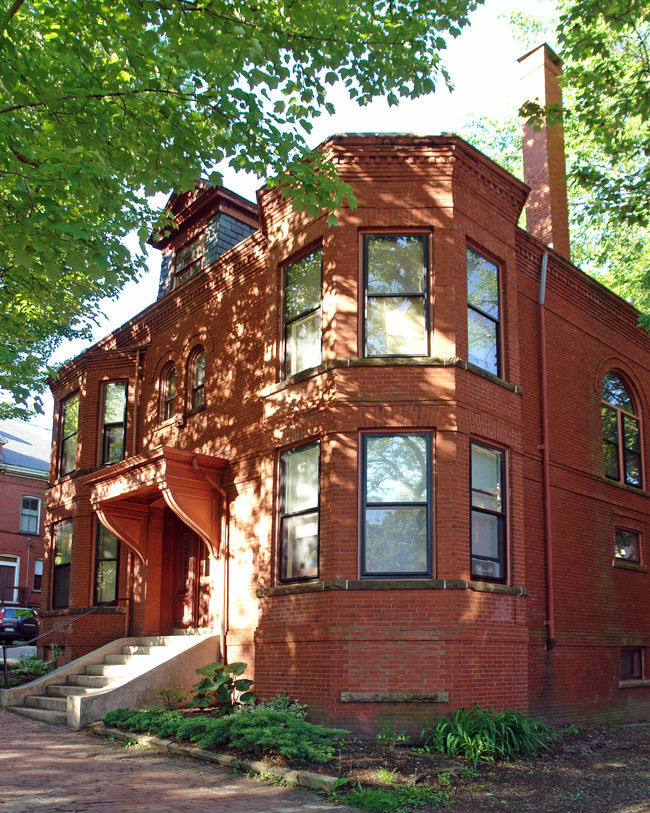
186,583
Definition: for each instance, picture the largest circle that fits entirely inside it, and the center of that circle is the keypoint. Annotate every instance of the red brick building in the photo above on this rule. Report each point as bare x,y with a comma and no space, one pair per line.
24,468
398,465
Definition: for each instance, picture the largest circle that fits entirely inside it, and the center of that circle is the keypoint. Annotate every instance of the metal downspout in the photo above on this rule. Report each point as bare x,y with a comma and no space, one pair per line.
546,464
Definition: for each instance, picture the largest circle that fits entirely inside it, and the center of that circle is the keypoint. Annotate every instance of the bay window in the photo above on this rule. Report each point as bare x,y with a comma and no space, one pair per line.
302,313
299,517
396,521
483,312
395,285
488,512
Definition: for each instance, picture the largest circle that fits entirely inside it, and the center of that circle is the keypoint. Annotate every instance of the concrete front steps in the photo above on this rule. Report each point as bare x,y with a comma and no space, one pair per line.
126,672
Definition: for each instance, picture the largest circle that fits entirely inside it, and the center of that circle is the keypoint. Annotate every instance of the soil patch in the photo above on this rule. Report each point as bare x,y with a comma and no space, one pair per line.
589,770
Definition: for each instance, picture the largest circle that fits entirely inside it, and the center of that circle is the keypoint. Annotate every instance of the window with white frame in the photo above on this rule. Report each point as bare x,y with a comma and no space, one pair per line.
37,584
395,270
9,569
397,505
302,312
299,512
30,514
488,554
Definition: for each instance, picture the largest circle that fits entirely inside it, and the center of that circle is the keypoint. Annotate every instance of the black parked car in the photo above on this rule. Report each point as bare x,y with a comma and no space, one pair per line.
18,624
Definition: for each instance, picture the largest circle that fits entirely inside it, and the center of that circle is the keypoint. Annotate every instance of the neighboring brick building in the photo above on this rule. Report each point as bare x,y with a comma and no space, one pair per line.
365,455
24,468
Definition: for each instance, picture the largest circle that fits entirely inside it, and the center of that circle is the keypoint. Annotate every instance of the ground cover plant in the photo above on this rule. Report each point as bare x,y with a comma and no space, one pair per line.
257,731
473,759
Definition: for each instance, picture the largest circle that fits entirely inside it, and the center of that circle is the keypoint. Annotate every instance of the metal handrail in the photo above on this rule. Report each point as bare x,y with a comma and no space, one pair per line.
94,609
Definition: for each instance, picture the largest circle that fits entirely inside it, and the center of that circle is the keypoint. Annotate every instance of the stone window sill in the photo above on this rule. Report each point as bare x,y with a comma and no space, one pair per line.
629,565
391,584
637,683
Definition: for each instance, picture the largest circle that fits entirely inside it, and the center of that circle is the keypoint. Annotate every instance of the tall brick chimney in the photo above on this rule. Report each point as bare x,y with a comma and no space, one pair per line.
547,215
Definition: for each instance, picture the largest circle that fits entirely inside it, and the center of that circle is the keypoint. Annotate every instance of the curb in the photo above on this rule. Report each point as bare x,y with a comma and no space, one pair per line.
304,779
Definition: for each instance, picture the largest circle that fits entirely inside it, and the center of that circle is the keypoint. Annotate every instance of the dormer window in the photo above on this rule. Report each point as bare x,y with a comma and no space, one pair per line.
189,260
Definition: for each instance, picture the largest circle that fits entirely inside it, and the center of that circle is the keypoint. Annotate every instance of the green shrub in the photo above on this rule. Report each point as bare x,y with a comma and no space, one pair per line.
481,735
259,731
280,702
264,731
32,666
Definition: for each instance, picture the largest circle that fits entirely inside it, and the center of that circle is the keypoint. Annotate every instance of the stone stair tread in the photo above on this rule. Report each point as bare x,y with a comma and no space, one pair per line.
37,701
107,669
91,681
43,715
115,659
51,705
54,690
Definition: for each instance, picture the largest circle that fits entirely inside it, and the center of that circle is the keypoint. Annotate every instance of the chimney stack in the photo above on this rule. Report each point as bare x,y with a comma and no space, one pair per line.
547,214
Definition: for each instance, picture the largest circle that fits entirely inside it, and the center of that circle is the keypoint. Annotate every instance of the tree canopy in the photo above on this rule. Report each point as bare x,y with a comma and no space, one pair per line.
104,103
606,113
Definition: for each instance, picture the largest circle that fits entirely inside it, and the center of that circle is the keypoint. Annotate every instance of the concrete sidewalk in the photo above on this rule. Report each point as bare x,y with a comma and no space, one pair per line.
48,768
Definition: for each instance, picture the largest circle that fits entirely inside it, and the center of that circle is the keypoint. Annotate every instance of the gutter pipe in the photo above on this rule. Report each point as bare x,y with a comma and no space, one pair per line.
546,463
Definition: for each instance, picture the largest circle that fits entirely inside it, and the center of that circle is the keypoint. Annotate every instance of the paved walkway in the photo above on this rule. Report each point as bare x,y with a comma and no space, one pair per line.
48,768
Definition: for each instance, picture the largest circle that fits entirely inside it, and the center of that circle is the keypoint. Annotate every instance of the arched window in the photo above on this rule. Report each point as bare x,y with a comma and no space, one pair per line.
197,379
621,436
168,392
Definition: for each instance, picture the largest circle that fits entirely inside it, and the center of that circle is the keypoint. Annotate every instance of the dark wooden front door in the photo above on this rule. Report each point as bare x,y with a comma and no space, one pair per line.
186,578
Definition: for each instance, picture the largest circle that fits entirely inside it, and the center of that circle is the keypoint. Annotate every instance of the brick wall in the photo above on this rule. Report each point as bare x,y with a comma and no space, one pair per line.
469,641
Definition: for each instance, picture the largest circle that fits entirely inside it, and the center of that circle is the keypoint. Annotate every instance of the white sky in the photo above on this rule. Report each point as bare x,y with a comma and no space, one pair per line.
483,66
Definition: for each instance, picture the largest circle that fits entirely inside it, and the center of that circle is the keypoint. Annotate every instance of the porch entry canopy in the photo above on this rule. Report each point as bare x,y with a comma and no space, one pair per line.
188,483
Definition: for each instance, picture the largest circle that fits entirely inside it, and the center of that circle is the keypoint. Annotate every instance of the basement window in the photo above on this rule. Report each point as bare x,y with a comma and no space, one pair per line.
627,546
632,663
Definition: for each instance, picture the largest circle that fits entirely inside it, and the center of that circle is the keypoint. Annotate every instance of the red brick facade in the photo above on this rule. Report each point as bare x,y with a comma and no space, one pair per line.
345,643
23,488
